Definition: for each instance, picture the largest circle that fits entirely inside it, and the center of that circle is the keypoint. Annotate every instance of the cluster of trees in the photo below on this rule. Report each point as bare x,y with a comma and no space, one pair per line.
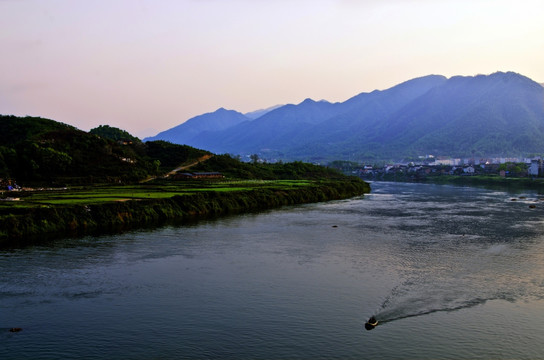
514,168
113,133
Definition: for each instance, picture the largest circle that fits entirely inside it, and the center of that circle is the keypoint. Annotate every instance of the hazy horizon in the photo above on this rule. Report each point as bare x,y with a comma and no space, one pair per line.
148,66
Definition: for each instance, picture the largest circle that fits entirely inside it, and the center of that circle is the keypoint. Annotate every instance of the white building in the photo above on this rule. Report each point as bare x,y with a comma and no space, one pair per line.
535,167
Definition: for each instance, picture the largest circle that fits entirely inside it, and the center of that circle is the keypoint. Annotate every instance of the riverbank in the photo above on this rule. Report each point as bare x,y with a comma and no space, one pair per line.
490,180
75,213
473,180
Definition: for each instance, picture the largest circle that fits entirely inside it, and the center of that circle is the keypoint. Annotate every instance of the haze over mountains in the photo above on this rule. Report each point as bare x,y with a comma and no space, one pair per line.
501,114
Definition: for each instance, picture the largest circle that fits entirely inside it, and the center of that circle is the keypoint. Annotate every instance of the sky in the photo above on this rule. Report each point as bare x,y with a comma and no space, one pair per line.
146,66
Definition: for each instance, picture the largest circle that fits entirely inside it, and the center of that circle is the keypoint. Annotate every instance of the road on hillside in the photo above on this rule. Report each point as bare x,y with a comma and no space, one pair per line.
185,167
182,167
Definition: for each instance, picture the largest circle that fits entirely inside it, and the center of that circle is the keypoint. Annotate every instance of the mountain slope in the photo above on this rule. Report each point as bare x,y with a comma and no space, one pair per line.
485,114
363,114
216,121
499,114
274,129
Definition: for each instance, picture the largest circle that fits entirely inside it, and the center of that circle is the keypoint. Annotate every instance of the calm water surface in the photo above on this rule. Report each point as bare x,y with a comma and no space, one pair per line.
451,273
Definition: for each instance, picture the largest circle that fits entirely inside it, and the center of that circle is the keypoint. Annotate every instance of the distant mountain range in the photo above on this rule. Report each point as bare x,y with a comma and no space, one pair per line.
501,114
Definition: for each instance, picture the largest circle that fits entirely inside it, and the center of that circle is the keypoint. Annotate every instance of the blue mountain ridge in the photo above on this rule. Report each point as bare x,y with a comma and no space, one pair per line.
497,114
184,133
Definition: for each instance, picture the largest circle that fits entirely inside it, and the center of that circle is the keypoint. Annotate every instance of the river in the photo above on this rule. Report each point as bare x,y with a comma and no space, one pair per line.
450,273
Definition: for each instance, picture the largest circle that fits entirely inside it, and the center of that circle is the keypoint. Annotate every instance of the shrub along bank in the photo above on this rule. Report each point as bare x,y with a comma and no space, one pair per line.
25,225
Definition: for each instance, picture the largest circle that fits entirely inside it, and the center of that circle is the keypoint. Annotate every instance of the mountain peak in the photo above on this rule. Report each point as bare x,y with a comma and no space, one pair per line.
506,78
513,76
308,101
220,119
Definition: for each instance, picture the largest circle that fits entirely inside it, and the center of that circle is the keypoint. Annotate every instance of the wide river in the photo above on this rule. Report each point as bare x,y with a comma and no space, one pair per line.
450,273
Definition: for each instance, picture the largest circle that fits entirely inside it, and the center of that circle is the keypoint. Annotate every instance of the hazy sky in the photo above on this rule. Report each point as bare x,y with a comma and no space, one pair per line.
146,66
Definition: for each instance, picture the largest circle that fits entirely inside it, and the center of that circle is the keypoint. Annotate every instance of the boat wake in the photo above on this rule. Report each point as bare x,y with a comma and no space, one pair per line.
400,305
449,288
400,313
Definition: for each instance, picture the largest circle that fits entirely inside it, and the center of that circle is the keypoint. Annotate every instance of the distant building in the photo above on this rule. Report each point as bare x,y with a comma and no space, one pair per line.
536,167
181,176
198,175
443,161
208,175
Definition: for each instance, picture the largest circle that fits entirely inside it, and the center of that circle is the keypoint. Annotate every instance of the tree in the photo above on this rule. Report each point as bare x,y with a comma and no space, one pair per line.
254,158
156,166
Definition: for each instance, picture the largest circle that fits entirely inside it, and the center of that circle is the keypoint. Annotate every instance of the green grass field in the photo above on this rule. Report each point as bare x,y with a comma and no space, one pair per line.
159,190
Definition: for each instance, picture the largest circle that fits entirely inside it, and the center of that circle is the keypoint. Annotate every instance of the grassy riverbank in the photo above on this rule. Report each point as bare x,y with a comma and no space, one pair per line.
90,210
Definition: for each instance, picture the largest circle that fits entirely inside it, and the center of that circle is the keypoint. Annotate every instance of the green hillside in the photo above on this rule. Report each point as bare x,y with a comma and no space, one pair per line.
43,151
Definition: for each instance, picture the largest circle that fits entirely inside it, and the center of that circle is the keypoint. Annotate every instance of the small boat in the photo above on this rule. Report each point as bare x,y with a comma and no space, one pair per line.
371,323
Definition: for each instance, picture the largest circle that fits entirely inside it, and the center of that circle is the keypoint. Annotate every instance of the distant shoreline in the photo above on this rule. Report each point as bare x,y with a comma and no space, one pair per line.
474,180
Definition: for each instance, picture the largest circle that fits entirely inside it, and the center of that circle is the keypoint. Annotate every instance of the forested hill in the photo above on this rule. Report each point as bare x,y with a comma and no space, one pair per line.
33,149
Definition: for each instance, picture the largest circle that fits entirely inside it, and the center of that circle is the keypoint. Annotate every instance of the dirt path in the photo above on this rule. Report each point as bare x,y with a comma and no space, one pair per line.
183,167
